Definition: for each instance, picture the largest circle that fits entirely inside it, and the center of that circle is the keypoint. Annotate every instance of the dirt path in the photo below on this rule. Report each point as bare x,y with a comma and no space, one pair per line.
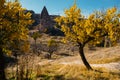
73,60
109,66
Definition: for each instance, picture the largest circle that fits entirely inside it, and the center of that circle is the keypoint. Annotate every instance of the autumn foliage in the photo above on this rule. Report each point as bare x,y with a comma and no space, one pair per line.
92,30
13,29
13,24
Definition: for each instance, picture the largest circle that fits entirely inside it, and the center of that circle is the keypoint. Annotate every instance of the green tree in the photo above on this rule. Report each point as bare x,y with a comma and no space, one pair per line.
13,29
52,46
83,30
35,36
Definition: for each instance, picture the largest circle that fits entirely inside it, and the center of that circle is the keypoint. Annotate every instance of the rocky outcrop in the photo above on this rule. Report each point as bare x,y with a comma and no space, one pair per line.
44,22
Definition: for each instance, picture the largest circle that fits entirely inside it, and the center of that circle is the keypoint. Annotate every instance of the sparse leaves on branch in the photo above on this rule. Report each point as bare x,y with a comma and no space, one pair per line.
52,47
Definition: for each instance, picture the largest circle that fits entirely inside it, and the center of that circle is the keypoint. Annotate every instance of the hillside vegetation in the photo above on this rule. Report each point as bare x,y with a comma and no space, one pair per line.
67,65
78,54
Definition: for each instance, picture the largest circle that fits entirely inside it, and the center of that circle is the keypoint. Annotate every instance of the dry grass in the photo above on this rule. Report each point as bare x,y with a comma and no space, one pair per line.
104,55
76,72
44,69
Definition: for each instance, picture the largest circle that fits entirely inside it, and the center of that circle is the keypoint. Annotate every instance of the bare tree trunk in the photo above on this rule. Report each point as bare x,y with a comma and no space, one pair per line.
2,66
35,46
107,42
81,52
50,55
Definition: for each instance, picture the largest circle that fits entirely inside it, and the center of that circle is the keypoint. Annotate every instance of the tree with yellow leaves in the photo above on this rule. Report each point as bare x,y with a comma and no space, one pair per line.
35,36
13,29
83,30
52,47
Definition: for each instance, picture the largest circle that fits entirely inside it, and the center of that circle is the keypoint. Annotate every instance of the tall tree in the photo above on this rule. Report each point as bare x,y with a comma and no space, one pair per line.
83,30
13,29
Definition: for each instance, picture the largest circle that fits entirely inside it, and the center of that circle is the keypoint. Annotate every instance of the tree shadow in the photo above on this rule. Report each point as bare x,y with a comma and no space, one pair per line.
64,54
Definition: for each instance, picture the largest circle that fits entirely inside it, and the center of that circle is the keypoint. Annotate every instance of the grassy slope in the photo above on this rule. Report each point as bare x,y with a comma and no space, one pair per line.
54,70
71,67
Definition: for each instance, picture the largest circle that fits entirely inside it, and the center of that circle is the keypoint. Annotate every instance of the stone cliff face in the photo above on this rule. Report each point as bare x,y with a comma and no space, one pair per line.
35,17
44,22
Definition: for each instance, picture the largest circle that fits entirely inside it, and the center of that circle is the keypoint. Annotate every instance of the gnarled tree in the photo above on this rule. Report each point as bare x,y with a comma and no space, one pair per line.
83,30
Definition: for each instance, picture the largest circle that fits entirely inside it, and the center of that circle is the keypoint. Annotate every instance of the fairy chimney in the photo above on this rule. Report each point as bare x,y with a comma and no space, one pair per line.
45,21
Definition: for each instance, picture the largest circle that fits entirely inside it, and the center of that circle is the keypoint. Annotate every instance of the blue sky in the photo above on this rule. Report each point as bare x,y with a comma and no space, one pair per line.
58,6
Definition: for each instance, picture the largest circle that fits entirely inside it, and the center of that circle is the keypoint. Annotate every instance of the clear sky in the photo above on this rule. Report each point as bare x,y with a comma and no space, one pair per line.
58,6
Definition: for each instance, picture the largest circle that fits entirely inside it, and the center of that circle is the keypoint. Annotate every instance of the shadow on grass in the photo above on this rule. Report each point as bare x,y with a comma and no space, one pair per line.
64,54
50,77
